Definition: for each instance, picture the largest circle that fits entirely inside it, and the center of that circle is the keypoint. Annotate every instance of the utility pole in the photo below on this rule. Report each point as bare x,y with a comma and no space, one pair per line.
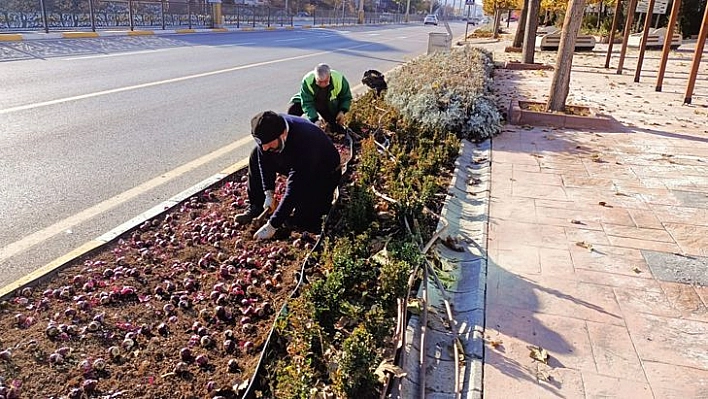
360,19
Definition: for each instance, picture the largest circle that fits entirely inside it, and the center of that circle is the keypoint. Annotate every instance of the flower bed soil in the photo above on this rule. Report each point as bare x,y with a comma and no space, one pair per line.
179,307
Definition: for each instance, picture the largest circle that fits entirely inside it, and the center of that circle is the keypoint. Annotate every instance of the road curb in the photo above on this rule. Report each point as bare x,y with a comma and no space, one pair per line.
51,268
466,214
10,37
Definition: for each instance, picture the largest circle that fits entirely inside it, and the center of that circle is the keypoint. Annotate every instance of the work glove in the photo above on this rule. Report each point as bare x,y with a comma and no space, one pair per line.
265,232
269,202
340,118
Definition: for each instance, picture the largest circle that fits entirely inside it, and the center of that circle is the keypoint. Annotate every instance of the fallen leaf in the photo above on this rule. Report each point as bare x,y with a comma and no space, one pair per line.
387,366
495,343
584,244
414,307
573,221
542,375
636,270
453,243
539,354
605,204
622,194
478,161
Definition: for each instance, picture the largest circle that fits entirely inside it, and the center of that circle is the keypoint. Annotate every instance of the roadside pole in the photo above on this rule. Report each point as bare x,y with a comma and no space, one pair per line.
215,13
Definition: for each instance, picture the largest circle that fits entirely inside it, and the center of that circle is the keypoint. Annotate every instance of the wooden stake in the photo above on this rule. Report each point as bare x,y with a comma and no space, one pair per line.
667,43
697,58
627,29
615,20
645,36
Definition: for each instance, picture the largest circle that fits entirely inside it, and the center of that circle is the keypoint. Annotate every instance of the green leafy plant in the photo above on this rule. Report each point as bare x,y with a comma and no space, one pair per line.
354,377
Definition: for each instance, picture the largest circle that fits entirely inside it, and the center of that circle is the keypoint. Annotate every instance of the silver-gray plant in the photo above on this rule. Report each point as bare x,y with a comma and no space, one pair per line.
448,91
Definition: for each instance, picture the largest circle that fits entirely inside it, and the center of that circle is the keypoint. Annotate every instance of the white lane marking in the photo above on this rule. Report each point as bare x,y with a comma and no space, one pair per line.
291,40
160,82
88,57
65,224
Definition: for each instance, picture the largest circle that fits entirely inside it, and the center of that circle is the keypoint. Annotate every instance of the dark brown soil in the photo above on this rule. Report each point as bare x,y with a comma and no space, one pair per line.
180,307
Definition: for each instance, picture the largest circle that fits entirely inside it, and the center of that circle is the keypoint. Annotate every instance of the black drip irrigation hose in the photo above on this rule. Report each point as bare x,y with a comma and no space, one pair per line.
249,393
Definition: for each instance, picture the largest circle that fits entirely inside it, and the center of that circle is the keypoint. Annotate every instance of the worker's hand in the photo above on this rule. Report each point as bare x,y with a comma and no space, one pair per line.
340,118
269,202
265,232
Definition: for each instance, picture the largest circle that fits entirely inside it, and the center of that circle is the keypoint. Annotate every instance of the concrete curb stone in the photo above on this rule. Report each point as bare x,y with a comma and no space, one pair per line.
465,212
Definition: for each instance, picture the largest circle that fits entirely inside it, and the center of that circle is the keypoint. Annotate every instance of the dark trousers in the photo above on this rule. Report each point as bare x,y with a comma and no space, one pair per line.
310,205
322,109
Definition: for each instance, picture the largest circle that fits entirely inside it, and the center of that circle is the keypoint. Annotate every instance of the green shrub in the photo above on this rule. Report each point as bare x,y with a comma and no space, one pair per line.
357,361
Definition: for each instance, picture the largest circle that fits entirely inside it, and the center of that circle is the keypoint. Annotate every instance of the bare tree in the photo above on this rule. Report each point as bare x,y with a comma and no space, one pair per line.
560,84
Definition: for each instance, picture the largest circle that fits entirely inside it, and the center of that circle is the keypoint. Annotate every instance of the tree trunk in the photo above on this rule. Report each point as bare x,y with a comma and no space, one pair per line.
561,78
519,36
497,23
530,32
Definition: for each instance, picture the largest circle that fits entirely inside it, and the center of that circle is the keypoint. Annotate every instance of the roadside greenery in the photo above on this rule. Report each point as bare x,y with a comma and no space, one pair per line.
339,329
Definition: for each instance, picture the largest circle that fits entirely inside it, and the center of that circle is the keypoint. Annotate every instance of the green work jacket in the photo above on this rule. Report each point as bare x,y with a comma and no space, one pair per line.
340,95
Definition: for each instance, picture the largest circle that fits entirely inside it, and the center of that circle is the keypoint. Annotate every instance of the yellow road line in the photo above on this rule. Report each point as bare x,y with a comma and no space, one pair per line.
7,37
65,224
78,35
140,33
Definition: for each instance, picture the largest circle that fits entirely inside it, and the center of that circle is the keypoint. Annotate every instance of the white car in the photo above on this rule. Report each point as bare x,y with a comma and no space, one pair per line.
430,19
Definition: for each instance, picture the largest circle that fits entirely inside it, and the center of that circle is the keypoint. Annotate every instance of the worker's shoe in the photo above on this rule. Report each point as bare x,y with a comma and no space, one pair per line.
247,216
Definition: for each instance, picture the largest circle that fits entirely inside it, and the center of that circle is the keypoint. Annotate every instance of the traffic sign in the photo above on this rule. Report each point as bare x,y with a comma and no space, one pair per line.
660,6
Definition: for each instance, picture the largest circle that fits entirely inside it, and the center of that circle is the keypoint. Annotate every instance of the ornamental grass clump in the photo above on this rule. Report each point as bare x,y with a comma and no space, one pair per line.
448,93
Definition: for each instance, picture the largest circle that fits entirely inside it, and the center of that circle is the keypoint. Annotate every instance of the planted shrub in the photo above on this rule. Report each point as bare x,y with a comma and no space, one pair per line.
447,92
356,362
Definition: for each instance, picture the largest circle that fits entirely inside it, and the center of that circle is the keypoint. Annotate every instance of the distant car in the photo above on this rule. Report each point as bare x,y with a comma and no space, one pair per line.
303,14
386,17
430,19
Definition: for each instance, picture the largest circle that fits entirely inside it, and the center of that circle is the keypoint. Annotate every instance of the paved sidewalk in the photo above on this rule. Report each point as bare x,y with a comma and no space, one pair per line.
598,240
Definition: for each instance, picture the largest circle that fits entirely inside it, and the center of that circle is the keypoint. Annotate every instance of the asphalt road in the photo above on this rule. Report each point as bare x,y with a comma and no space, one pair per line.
94,132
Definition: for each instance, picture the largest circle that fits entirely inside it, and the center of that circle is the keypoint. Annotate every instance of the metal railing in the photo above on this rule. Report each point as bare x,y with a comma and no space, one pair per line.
85,15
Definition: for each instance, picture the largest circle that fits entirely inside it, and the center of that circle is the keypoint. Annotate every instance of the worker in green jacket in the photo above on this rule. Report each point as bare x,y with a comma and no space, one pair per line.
323,91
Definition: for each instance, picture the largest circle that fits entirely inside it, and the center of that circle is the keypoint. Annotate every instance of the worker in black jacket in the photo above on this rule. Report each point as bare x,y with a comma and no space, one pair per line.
298,149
